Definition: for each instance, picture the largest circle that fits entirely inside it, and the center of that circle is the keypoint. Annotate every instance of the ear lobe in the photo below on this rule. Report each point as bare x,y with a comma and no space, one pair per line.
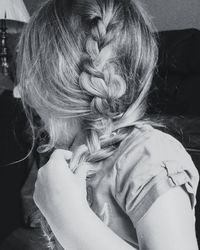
16,93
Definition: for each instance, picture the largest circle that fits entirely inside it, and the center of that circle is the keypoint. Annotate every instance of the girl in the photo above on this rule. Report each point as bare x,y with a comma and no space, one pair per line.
113,181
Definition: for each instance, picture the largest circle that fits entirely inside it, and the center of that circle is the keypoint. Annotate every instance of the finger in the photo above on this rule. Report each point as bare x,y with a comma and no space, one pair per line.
16,92
77,157
61,153
82,170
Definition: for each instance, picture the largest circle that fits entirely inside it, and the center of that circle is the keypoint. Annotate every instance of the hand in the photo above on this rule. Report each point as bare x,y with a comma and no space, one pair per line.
60,193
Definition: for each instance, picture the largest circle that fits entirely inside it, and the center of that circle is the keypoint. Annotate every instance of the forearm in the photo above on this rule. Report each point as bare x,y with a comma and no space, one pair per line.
87,233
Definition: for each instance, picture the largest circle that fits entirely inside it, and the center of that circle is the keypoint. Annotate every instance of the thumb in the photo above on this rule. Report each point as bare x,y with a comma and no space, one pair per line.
77,156
82,170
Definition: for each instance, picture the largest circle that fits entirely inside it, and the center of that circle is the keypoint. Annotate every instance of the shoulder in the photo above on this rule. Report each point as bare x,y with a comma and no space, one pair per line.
149,145
151,162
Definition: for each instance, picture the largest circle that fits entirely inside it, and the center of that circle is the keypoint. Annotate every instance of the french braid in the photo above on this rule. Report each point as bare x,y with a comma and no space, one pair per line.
100,80
91,61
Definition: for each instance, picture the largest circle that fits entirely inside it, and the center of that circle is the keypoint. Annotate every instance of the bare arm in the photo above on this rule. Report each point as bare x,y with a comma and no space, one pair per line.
61,197
168,224
87,233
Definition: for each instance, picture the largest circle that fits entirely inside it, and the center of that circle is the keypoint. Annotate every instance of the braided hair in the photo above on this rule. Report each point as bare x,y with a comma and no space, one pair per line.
88,63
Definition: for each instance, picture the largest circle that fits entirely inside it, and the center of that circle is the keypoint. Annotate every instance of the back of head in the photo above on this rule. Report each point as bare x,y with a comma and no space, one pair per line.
90,61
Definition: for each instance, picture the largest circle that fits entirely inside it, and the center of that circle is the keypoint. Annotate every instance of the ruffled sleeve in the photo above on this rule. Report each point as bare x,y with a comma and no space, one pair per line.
151,163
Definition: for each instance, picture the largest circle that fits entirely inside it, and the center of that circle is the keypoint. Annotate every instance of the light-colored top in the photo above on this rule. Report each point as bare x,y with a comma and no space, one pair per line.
147,164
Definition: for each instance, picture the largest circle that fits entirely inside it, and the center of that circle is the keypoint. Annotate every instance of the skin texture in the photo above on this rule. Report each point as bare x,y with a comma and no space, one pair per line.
168,224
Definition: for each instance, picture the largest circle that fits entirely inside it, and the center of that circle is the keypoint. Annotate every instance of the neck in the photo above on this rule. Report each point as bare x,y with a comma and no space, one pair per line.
79,139
72,142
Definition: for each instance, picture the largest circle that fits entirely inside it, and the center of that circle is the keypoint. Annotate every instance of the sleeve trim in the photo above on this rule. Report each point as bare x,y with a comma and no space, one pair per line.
160,187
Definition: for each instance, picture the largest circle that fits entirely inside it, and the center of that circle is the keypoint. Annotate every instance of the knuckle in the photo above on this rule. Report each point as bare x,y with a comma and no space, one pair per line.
35,198
54,154
58,153
40,173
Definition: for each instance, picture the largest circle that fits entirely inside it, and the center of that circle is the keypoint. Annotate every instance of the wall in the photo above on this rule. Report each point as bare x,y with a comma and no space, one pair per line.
174,14
167,14
32,4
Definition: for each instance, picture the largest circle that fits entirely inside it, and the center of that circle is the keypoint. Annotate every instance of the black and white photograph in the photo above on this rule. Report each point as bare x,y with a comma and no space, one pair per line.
99,124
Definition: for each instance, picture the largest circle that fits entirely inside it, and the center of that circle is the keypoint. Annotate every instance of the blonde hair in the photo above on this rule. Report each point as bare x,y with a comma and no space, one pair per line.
91,60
